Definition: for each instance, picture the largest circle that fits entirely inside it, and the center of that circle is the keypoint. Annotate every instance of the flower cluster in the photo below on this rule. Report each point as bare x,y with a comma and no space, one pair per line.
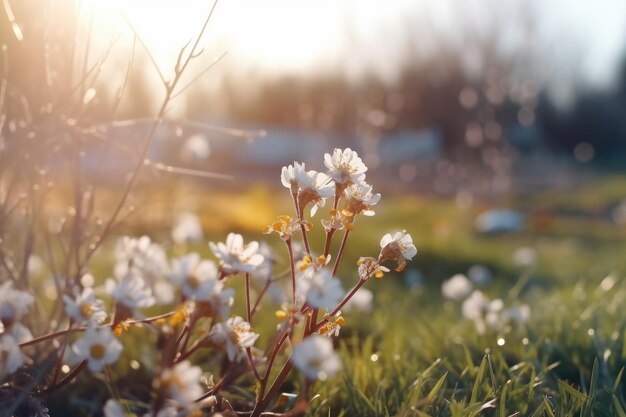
193,299
487,315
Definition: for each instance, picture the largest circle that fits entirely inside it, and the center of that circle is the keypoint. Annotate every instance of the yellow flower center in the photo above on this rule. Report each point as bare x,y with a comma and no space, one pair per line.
97,351
86,310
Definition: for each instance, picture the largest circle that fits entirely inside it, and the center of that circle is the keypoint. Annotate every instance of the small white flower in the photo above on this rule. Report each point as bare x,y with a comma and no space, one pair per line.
289,176
85,307
11,358
345,166
456,288
13,303
197,278
113,409
519,314
480,275
316,358
320,288
525,257
234,336
361,301
146,258
99,347
315,187
187,229
485,313
360,199
182,383
132,292
398,248
195,149
234,257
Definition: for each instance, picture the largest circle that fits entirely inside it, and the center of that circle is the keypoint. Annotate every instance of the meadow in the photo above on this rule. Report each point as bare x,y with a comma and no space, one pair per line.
413,353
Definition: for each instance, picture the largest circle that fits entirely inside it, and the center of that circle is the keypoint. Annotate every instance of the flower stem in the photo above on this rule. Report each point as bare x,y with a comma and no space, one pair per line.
346,233
67,378
248,303
340,305
260,296
293,269
278,382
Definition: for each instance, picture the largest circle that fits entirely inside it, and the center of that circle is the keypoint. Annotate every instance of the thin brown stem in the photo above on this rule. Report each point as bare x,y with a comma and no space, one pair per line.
260,296
67,378
248,303
340,305
293,269
346,233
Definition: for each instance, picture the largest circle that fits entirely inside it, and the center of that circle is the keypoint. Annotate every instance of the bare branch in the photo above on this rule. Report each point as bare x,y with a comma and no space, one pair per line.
145,47
194,79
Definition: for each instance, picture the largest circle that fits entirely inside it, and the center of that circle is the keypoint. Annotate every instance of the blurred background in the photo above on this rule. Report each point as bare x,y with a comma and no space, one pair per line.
488,126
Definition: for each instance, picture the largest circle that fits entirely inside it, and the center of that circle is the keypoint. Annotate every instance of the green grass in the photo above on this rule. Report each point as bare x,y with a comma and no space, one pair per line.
414,354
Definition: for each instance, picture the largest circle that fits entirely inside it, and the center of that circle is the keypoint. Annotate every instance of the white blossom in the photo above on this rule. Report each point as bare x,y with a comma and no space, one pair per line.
234,336
187,229
290,175
196,277
131,292
11,358
484,313
85,307
99,347
314,187
361,301
316,357
113,408
13,303
181,383
360,199
235,257
456,288
345,166
149,260
319,288
525,257
480,275
398,248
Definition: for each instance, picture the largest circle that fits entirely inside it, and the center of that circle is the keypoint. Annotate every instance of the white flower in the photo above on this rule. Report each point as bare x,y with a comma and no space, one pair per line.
316,358
85,307
480,275
360,199
485,313
398,248
525,257
320,288
197,278
361,301
234,336
187,229
13,303
147,258
519,314
315,187
234,257
11,358
456,288
99,347
132,292
113,409
181,383
345,166
290,175
195,149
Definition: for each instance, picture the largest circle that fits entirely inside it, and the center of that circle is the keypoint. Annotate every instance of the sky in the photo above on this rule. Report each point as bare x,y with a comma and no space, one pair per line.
580,40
